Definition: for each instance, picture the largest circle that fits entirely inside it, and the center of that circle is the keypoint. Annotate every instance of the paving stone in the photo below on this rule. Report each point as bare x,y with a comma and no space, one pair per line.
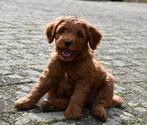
7,97
141,110
37,117
4,123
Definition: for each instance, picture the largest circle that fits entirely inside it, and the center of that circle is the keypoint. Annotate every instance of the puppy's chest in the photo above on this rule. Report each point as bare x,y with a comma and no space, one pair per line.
66,85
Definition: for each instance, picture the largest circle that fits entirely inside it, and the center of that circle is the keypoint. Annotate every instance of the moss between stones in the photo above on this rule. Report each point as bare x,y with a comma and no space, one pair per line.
42,123
138,105
48,123
119,94
141,120
125,123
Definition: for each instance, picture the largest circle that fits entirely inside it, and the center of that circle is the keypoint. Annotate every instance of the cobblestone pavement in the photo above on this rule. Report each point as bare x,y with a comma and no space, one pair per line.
24,52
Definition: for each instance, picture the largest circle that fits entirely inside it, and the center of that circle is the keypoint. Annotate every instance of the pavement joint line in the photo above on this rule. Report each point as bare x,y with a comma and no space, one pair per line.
131,82
18,83
10,112
122,74
138,71
131,108
54,121
7,74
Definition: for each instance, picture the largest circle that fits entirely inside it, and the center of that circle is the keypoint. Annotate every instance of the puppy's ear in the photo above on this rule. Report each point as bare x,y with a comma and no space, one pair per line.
50,32
94,37
51,29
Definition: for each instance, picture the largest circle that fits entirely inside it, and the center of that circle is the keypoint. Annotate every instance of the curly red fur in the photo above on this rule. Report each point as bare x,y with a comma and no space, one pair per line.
73,78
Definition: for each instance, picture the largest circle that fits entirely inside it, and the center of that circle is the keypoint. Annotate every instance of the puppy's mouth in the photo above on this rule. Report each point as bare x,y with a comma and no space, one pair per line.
66,53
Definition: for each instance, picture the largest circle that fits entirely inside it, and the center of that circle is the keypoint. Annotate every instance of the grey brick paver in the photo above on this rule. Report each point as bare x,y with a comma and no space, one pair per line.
24,52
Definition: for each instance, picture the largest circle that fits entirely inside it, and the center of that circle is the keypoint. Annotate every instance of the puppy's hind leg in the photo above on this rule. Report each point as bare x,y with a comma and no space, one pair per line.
103,98
117,101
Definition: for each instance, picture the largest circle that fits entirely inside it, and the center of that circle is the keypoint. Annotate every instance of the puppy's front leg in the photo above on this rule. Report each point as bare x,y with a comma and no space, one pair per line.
77,100
39,89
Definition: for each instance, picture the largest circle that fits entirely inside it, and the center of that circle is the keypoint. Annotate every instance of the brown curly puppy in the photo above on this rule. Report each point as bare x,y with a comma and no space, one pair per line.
73,78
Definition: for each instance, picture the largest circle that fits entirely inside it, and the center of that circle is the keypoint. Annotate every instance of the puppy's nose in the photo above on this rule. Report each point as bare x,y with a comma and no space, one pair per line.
67,43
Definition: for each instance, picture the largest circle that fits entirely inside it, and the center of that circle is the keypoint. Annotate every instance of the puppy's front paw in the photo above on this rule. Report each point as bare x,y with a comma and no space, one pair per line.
24,103
46,106
73,112
100,112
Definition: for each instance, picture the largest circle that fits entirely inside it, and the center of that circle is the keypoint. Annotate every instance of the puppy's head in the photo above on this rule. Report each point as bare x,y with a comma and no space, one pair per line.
72,37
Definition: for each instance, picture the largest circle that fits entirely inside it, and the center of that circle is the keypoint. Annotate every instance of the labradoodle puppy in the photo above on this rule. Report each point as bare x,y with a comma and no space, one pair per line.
73,78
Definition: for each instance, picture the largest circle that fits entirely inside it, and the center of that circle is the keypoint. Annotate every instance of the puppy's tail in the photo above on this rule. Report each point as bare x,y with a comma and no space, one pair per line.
117,101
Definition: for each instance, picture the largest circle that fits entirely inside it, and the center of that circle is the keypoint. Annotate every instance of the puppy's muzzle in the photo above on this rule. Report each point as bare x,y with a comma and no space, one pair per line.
67,43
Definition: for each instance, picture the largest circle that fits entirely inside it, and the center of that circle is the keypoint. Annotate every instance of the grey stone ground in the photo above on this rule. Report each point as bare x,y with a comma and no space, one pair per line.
24,52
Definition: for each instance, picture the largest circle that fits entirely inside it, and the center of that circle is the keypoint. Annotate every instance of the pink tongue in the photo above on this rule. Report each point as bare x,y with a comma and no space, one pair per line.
66,53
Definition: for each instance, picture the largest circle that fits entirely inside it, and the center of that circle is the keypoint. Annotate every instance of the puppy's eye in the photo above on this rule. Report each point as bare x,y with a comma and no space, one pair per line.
60,31
80,34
